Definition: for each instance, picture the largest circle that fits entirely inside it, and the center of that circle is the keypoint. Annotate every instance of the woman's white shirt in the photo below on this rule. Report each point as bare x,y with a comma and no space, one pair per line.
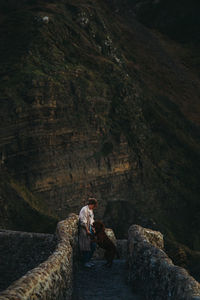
86,216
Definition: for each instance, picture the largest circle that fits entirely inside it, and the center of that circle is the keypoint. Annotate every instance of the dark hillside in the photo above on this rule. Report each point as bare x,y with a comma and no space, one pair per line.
178,19
95,103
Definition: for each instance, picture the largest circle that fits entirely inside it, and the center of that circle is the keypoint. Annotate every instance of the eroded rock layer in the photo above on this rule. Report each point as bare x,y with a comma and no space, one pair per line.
95,104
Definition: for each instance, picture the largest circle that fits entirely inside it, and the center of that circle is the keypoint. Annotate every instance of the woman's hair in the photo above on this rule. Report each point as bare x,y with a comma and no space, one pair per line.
92,201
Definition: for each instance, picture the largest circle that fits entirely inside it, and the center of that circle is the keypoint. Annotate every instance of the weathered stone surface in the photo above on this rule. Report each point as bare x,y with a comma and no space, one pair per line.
122,248
76,120
103,283
150,269
52,279
152,272
21,252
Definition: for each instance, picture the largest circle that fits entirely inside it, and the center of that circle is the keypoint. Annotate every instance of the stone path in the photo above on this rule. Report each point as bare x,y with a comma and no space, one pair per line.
102,283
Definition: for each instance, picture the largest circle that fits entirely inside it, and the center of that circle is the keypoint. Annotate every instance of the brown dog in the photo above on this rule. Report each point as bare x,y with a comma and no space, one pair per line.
104,242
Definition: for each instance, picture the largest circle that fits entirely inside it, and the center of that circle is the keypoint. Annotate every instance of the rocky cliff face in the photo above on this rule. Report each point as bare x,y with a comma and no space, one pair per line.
94,103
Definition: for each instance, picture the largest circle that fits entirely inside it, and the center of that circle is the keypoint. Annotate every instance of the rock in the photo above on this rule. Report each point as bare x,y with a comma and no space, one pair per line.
122,248
74,125
151,270
45,19
53,278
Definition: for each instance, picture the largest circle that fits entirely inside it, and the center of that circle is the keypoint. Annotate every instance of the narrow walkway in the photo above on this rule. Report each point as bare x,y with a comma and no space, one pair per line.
102,283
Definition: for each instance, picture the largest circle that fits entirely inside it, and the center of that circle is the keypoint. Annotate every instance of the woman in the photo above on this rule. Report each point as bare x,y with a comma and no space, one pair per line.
86,231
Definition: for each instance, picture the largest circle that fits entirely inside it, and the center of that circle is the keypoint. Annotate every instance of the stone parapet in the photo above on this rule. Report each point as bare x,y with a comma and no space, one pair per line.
122,248
21,252
52,279
153,272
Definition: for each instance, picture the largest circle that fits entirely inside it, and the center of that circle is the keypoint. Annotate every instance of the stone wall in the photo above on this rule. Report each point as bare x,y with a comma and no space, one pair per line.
21,252
150,269
52,279
153,272
122,248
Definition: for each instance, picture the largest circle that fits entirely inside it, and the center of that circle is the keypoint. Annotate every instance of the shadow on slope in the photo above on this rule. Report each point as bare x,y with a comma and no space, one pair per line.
21,210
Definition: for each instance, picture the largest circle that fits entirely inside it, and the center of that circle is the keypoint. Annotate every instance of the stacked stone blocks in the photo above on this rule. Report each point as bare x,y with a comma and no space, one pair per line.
153,273
52,279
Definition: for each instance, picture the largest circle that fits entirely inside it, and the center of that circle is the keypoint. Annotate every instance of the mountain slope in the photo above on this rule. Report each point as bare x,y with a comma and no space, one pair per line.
95,103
